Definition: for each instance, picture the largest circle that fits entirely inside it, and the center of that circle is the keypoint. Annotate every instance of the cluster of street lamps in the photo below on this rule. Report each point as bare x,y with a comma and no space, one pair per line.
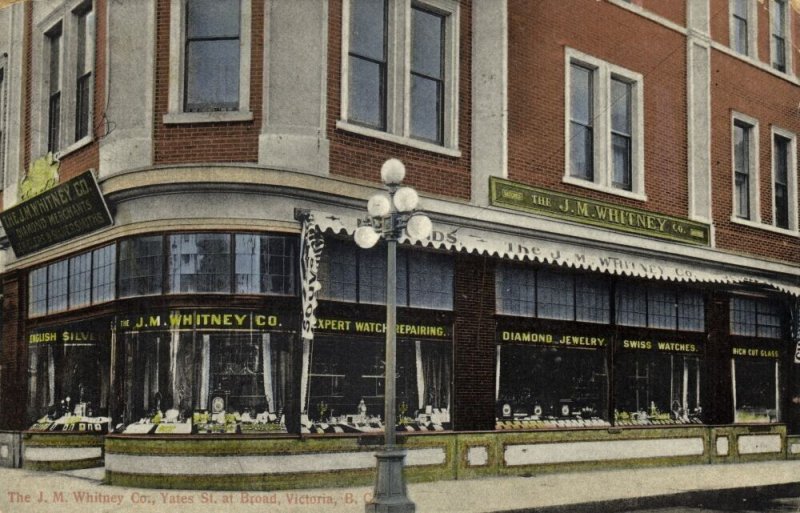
390,216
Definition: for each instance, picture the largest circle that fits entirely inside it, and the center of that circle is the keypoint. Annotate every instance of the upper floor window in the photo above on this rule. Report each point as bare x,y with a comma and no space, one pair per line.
210,58
778,35
745,168
424,279
754,317
400,71
605,128
67,78
743,27
54,89
784,179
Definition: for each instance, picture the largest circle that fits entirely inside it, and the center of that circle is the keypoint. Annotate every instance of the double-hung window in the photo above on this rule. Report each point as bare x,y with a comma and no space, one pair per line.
54,89
209,61
604,126
400,72
743,27
784,179
780,35
66,52
745,168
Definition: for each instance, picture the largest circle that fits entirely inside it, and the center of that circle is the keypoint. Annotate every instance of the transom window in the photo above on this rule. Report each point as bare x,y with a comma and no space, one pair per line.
400,71
755,317
605,129
659,307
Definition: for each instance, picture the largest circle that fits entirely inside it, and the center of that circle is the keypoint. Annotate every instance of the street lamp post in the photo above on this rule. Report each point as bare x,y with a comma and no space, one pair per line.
389,216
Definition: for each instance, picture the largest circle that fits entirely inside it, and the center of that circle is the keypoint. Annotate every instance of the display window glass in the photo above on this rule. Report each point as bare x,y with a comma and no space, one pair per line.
346,385
204,372
141,264
200,262
551,381
657,382
755,371
265,264
68,378
659,307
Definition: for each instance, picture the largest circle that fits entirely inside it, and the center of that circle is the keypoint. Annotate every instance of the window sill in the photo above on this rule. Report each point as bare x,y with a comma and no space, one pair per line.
765,227
405,141
80,143
610,190
180,118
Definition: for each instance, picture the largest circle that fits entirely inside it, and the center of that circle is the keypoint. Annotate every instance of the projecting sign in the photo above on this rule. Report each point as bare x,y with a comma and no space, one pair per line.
73,208
597,213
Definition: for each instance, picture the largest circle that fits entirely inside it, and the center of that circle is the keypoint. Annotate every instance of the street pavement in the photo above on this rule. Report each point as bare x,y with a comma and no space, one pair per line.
682,488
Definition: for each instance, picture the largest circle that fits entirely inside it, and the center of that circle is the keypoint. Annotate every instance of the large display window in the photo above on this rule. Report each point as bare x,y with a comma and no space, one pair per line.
756,351
548,379
204,371
657,381
68,378
345,377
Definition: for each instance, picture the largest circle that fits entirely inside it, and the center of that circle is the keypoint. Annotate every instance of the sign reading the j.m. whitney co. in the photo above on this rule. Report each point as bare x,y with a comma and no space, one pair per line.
597,213
73,208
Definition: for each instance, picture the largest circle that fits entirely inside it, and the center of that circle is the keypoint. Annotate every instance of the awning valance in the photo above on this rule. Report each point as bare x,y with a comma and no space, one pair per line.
593,257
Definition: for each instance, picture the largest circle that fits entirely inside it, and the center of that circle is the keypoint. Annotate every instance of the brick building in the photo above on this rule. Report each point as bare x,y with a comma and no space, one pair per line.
612,274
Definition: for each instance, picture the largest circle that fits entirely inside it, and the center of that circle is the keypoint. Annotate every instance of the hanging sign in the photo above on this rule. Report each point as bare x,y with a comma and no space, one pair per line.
69,210
311,244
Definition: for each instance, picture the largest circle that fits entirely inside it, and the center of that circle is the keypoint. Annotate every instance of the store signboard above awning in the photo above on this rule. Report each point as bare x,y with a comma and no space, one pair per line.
617,261
69,210
524,198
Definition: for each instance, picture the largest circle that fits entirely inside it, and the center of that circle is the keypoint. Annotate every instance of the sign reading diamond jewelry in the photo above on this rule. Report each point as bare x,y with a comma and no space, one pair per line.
597,213
73,208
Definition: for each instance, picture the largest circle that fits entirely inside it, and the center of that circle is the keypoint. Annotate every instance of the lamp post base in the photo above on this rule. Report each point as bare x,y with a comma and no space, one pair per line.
390,487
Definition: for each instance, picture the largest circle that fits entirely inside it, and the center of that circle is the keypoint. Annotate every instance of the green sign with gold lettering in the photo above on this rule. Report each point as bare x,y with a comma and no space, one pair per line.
515,196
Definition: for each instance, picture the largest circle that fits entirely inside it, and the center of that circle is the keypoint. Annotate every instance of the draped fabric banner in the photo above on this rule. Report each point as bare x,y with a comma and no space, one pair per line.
614,260
311,244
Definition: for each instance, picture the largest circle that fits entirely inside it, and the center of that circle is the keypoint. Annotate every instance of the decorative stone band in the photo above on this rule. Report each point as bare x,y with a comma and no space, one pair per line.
265,464
571,452
632,262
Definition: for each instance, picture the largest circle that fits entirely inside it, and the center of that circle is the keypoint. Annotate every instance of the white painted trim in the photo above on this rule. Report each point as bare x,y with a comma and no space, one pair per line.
603,73
574,452
754,167
5,85
758,64
763,226
398,70
791,178
759,444
643,12
73,147
207,117
177,42
698,103
722,446
61,453
478,456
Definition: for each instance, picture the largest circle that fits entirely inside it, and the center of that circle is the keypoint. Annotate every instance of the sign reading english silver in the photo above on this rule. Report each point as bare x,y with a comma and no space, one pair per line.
74,208
596,213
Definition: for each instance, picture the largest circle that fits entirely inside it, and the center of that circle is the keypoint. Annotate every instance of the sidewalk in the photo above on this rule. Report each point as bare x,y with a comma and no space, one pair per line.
24,491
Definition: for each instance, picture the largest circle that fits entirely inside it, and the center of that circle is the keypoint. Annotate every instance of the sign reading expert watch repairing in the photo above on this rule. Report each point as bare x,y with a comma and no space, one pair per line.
73,208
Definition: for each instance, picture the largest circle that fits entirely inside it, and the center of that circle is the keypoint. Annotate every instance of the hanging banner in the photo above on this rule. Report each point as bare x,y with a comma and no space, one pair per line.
311,244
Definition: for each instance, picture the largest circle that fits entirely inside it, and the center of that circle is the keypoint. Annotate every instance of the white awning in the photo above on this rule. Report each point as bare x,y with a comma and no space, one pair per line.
594,257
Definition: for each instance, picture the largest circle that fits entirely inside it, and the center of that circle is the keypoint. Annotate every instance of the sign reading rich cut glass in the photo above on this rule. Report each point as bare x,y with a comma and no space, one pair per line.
597,213
73,208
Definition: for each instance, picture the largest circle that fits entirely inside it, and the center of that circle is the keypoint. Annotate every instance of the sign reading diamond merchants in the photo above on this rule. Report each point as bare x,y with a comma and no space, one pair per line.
73,208
597,213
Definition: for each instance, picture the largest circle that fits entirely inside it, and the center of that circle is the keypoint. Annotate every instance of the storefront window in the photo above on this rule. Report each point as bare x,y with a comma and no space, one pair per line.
37,292
58,278
756,386
346,385
205,372
265,264
551,381
200,262
104,265
655,385
68,379
141,266
80,280
337,271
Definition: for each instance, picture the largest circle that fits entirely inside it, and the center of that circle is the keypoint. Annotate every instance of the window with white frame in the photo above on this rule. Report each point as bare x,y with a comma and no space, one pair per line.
209,61
67,78
743,27
604,126
784,179
779,30
400,71
745,168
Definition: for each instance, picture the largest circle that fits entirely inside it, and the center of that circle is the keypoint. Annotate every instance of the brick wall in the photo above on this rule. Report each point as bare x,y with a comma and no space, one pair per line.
738,86
474,353
206,142
360,157
673,11
538,35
